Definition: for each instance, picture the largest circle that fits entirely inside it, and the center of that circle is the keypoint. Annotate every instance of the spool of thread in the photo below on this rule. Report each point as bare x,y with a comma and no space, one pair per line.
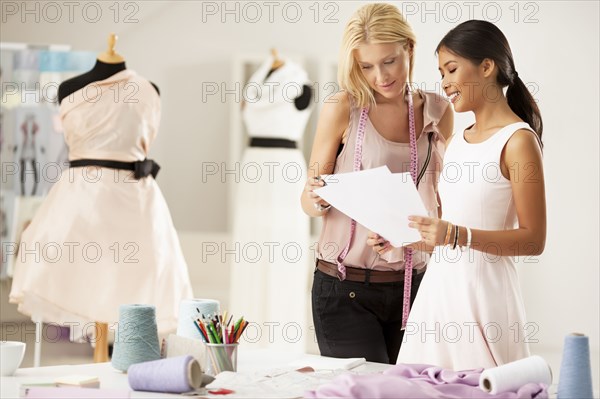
173,375
512,376
179,346
137,337
575,370
190,310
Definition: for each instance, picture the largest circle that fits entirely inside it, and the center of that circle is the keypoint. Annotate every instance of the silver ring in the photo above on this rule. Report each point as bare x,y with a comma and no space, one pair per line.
321,208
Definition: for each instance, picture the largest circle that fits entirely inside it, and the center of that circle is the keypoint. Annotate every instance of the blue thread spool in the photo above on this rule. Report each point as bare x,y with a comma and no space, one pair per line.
192,309
137,336
575,371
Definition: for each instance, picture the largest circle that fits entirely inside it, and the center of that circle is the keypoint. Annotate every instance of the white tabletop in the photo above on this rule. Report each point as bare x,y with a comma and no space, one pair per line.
250,362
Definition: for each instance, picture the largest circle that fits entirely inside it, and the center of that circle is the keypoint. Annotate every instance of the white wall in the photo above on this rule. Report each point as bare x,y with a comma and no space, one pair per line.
182,48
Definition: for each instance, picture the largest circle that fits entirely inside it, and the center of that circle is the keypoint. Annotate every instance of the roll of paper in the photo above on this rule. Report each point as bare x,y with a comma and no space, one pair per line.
512,376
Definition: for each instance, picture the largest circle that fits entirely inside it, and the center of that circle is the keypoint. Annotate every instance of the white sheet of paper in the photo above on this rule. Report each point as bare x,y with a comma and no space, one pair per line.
379,200
356,176
328,363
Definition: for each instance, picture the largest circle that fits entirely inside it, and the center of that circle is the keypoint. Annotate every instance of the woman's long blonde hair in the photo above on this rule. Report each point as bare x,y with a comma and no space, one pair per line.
373,23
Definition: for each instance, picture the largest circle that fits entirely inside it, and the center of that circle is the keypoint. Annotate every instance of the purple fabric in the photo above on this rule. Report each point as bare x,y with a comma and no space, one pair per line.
417,381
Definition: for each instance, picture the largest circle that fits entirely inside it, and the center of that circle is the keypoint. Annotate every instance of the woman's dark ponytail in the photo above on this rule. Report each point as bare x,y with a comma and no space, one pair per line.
523,104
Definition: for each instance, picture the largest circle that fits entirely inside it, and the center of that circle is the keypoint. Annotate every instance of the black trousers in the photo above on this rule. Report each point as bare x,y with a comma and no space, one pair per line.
354,319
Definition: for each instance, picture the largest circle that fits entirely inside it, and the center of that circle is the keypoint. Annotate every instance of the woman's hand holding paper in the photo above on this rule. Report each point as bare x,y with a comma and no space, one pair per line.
433,231
311,184
377,243
383,247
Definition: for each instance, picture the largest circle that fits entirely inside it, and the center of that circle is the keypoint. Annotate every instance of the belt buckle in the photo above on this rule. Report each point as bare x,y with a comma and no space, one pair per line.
367,276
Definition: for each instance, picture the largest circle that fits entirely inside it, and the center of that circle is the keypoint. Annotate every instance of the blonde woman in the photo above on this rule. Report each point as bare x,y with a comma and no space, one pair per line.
360,290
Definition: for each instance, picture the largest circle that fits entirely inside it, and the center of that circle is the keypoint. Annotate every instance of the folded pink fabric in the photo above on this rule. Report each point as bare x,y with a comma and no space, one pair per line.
418,381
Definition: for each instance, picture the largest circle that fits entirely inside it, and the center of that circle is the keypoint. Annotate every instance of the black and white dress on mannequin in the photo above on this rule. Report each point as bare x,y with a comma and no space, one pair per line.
269,278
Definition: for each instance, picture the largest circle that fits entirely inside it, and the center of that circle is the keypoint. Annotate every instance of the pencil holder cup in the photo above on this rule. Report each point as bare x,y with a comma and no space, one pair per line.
220,357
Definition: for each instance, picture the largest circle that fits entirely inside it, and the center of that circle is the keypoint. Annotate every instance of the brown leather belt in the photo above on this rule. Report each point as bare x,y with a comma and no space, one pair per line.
364,275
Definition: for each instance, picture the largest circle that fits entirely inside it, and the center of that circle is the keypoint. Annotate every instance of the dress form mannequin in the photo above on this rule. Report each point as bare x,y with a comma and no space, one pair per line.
265,211
120,211
303,100
107,64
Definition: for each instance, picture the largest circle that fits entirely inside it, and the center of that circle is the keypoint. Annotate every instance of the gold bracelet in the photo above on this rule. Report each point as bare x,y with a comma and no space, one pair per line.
447,239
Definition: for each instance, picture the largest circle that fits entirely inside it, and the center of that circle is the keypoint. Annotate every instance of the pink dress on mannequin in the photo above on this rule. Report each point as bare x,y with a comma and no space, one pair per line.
102,238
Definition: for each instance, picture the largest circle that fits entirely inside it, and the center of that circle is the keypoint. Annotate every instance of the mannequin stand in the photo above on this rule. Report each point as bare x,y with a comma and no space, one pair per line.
37,353
101,348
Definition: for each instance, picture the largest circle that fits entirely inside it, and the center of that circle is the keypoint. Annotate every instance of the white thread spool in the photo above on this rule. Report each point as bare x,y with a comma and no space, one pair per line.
512,376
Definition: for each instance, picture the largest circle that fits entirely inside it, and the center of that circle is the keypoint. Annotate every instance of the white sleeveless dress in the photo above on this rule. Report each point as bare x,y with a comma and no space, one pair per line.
468,312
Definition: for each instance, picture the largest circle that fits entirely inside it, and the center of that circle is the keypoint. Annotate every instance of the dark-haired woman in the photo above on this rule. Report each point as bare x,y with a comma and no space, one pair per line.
469,312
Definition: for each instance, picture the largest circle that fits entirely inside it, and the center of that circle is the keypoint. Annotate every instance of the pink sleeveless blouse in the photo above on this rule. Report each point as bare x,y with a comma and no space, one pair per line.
378,151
